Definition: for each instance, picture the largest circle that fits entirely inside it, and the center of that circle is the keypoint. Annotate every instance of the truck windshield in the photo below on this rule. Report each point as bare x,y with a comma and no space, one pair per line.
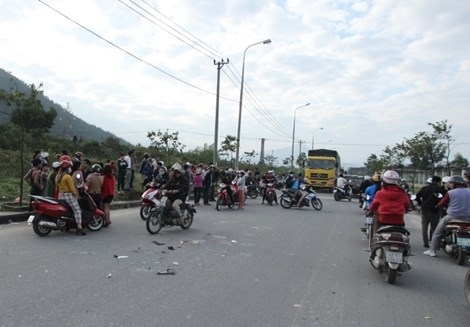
321,164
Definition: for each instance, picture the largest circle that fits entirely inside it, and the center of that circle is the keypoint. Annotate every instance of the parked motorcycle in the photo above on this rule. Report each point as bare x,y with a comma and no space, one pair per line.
165,216
339,193
223,198
252,190
310,200
54,214
456,242
389,251
149,200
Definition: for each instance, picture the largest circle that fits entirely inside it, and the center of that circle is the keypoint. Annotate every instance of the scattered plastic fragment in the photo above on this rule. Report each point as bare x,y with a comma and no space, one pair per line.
158,243
121,256
171,248
193,242
169,271
427,317
109,276
233,241
176,263
297,305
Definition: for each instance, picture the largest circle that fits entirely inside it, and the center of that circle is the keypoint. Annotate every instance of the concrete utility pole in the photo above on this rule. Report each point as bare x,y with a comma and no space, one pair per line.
219,64
300,148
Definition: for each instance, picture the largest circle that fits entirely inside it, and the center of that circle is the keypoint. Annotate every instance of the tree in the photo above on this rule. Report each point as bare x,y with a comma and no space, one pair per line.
374,163
442,132
459,161
228,145
301,159
166,142
250,155
424,150
270,160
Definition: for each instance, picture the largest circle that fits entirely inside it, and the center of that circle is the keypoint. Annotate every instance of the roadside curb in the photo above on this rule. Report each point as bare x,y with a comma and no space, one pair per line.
7,217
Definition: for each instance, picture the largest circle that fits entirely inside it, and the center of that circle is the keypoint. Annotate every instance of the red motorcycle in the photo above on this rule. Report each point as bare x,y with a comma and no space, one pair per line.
270,193
149,200
223,199
54,214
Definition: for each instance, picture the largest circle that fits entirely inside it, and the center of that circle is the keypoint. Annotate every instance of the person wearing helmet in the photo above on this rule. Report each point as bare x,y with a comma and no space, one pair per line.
457,202
290,180
370,191
94,181
68,192
268,178
427,198
50,189
362,189
390,203
177,188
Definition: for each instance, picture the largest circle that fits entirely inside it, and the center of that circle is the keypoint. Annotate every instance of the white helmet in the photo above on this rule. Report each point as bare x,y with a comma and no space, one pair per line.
429,180
391,177
446,179
366,178
177,167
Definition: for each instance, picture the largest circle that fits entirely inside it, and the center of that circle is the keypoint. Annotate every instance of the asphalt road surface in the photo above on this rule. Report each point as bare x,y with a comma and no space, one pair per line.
261,266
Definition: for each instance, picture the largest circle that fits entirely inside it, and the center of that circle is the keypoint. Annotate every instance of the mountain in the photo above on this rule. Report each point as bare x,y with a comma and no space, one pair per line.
66,124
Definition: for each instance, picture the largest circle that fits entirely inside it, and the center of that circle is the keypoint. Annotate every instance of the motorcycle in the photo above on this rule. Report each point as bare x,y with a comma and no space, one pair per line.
252,190
165,216
456,242
279,185
389,251
55,214
287,199
223,199
270,193
149,201
339,193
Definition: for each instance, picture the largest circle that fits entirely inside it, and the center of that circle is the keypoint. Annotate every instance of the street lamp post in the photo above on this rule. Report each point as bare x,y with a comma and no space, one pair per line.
241,101
313,136
293,135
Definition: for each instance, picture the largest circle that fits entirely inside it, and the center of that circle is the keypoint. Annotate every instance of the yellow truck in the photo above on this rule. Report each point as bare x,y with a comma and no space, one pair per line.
322,168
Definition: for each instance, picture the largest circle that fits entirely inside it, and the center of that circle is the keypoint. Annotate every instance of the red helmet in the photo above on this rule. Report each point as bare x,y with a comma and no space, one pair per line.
65,161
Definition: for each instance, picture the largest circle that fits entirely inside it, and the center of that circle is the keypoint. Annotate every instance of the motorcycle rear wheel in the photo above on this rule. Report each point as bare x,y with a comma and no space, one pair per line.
252,193
145,212
40,230
337,196
390,275
270,199
467,285
96,223
316,204
187,219
154,222
461,256
286,204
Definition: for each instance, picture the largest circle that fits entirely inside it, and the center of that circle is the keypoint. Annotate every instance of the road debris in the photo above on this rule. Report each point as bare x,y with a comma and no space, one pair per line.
169,271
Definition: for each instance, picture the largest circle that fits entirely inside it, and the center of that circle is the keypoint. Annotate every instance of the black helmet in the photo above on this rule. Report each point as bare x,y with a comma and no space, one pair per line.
96,168
291,172
458,180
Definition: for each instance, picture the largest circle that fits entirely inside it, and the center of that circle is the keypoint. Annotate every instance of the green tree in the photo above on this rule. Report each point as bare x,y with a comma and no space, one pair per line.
459,161
374,163
301,159
228,146
250,155
442,131
166,142
270,160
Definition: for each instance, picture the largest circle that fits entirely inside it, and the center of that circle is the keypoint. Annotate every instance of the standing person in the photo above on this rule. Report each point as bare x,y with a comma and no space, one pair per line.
33,178
241,188
121,174
188,174
147,172
143,164
94,181
107,192
68,191
130,160
133,164
457,201
197,183
50,189
85,168
209,180
391,202
427,198
43,176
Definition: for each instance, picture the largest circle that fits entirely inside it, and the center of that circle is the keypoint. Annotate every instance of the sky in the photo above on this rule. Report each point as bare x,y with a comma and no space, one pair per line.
373,72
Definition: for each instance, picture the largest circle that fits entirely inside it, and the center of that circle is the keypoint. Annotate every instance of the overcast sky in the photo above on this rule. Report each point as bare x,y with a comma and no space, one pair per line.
374,72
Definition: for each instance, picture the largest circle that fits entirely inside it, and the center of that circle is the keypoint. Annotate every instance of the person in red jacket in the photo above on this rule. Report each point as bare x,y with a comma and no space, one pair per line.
391,202
107,191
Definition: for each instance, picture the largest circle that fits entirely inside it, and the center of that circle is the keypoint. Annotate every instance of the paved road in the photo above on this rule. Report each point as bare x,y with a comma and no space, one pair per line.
263,266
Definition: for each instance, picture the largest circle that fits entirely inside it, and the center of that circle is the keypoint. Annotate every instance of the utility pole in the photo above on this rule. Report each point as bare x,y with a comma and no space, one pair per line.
300,148
219,64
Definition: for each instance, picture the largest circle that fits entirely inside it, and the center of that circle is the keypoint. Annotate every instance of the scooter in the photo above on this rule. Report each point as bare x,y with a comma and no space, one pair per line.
165,216
456,242
54,214
270,193
310,200
149,200
223,198
339,193
389,251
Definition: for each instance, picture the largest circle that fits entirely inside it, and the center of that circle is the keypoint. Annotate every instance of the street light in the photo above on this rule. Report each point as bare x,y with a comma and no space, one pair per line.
313,136
293,135
241,100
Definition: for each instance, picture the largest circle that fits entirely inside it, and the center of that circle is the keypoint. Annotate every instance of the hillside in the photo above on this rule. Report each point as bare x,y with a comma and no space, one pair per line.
66,125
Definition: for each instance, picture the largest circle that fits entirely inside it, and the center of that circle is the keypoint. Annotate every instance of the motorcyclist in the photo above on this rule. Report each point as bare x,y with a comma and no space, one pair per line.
268,178
457,201
391,202
341,183
162,177
298,195
372,190
290,180
177,189
362,189
227,179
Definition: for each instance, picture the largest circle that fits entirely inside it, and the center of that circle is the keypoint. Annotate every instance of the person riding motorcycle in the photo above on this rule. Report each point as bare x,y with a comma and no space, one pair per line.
227,179
269,178
341,183
391,202
290,180
370,192
457,202
362,189
177,188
